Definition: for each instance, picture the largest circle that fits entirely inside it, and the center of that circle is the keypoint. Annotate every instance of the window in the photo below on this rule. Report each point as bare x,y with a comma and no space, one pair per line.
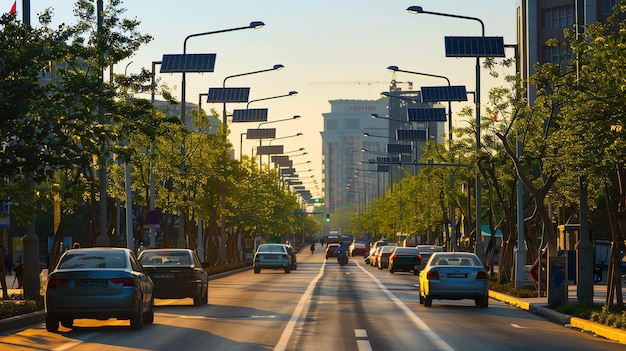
331,124
607,6
558,17
352,124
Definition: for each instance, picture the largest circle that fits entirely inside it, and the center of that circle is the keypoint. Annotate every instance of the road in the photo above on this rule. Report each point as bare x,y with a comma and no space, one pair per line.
319,306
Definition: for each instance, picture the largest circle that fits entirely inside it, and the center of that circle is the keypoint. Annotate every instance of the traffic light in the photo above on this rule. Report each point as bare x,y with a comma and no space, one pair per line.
327,217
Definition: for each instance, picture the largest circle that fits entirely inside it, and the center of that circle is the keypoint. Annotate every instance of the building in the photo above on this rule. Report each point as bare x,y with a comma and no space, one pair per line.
540,20
357,165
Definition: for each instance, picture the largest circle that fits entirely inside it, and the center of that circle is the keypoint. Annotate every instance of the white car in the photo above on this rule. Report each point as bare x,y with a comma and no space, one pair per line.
271,256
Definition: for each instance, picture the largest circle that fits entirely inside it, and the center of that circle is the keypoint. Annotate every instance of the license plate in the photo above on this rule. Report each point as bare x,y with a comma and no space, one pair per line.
457,275
93,282
271,257
163,275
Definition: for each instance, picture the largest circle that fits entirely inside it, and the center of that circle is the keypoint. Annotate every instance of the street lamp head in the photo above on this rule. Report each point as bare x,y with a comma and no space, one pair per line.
415,9
385,94
393,68
374,115
278,67
366,134
293,93
256,24
299,134
296,116
363,150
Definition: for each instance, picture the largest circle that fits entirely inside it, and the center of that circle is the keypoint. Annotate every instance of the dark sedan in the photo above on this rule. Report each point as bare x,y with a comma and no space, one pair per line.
405,259
98,283
177,274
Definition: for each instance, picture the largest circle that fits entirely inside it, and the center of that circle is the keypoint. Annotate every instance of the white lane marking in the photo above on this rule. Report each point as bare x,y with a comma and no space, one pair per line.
441,344
517,326
363,345
360,333
303,305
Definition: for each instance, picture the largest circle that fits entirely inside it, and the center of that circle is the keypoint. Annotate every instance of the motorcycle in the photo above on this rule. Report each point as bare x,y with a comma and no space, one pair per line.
342,259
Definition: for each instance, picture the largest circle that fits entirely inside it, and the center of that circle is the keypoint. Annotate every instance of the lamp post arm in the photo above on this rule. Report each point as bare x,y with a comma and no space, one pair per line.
482,25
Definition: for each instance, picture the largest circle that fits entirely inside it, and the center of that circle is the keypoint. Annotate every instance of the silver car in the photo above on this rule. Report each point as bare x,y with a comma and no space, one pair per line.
454,276
272,256
98,283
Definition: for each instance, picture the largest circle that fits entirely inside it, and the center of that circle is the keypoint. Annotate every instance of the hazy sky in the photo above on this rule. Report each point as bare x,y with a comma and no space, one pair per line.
331,50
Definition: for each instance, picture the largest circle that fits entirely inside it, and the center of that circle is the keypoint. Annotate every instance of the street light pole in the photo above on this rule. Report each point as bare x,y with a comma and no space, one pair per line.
268,122
252,25
479,240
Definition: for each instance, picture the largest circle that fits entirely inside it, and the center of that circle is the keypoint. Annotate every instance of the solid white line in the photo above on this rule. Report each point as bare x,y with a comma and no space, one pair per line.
303,305
441,344
360,333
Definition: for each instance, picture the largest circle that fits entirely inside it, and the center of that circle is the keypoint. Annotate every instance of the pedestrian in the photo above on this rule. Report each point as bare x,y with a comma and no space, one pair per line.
19,274
312,247
141,247
3,280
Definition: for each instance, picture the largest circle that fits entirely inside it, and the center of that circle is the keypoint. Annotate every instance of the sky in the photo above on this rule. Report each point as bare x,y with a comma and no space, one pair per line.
331,50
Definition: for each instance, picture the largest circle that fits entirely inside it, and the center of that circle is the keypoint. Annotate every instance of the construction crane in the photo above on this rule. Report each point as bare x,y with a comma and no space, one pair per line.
393,84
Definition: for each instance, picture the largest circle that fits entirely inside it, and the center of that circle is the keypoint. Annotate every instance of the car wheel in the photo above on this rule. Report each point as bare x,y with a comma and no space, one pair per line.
482,301
415,272
197,300
391,270
136,320
287,270
421,299
428,301
205,297
257,270
67,322
148,317
52,323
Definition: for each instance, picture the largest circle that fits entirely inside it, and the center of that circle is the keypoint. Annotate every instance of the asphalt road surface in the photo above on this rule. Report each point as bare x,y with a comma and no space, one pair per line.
319,306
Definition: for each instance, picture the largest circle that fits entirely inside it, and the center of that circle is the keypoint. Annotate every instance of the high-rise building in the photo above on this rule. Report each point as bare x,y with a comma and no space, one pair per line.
357,164
541,20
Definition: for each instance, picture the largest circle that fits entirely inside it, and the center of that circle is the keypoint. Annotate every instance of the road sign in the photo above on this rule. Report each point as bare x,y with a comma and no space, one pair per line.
152,217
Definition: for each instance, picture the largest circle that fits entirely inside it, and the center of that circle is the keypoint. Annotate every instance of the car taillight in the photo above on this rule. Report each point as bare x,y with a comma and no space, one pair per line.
432,274
481,276
53,283
394,257
123,281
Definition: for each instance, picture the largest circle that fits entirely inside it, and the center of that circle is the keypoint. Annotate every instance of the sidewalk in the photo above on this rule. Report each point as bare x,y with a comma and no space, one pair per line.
539,305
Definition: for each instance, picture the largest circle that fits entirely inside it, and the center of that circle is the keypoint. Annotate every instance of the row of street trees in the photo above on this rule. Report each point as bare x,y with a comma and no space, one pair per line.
53,143
572,139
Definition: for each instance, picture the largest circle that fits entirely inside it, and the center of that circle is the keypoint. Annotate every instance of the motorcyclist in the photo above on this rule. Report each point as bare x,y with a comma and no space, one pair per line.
342,249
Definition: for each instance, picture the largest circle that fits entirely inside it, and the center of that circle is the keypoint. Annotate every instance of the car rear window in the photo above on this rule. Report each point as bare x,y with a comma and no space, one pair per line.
165,258
92,259
271,248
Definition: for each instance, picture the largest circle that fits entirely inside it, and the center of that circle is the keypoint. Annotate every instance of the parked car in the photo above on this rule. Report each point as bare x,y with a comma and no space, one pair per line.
454,276
382,260
271,256
98,283
177,274
292,255
427,250
331,250
358,249
375,256
405,259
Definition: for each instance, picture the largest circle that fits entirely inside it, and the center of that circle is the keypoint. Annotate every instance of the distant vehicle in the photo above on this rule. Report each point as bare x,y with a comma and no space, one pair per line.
427,250
292,255
454,276
369,258
331,250
177,274
98,283
405,259
382,260
358,249
271,256
376,256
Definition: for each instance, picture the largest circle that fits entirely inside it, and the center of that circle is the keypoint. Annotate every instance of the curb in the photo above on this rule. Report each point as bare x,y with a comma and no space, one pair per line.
610,333
22,320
